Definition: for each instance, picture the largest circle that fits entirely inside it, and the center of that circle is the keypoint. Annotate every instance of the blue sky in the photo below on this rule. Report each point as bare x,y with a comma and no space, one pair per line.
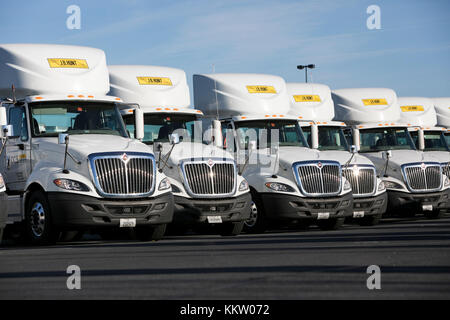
410,53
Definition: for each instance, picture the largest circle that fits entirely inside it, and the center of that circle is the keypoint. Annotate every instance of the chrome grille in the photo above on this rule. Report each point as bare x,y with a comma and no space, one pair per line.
319,178
206,179
423,177
362,179
122,174
446,169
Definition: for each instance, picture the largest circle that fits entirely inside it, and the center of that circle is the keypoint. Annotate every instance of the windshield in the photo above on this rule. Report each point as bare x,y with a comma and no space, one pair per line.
77,117
382,139
288,132
158,127
330,138
434,140
447,138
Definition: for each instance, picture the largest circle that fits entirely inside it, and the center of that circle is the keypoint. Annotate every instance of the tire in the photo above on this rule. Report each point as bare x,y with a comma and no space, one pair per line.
371,220
435,214
153,233
231,228
38,227
257,223
331,224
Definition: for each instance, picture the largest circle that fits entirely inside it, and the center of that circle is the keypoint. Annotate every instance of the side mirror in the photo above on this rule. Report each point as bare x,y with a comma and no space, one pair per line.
157,147
174,138
63,138
388,154
139,124
7,131
353,149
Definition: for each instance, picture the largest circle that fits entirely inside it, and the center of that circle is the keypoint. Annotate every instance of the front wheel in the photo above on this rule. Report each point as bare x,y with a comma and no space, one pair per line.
331,224
231,228
257,223
154,233
38,221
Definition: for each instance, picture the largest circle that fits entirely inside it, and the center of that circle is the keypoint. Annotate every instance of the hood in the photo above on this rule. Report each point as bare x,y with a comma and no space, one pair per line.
344,156
188,150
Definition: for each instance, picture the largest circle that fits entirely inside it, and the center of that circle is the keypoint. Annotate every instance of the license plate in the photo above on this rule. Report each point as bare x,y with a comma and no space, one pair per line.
127,223
358,214
427,207
323,215
214,219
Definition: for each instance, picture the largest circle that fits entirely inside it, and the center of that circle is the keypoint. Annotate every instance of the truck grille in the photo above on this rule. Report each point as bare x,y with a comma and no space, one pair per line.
362,179
120,174
446,169
319,178
207,178
423,176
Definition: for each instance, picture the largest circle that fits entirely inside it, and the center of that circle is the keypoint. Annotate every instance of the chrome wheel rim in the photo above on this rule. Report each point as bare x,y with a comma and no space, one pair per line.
37,219
251,222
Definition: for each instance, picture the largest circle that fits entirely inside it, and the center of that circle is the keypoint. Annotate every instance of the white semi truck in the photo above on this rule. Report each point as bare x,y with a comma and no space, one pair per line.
413,179
289,182
206,185
427,136
313,103
68,163
442,107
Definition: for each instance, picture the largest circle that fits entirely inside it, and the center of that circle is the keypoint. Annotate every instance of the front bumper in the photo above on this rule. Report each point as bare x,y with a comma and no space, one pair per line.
72,210
278,206
415,201
3,210
371,205
189,210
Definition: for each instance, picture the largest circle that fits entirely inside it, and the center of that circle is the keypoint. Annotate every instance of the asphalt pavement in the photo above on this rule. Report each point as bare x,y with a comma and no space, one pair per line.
413,256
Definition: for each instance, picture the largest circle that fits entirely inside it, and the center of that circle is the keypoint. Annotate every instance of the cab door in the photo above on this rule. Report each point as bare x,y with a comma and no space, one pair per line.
16,162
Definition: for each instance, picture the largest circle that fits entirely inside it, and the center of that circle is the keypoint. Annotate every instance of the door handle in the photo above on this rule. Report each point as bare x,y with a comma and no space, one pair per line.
21,146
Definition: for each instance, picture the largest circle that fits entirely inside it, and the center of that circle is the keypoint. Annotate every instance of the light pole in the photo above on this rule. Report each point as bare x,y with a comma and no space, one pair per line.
306,67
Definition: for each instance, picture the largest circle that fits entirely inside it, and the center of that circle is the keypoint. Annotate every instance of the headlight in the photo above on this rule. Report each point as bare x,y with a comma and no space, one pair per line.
2,182
71,185
279,187
347,186
243,186
446,181
164,184
392,185
381,186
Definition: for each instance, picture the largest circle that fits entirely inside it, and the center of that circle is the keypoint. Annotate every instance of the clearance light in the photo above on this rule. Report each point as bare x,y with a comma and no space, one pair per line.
70,96
80,96
39,98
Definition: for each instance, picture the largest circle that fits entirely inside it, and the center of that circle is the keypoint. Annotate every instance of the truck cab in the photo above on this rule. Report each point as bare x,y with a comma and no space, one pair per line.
413,179
68,163
313,104
427,136
205,182
289,182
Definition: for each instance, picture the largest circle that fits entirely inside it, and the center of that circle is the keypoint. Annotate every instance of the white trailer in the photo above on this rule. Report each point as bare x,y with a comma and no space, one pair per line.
68,163
312,103
420,113
206,185
289,182
413,179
